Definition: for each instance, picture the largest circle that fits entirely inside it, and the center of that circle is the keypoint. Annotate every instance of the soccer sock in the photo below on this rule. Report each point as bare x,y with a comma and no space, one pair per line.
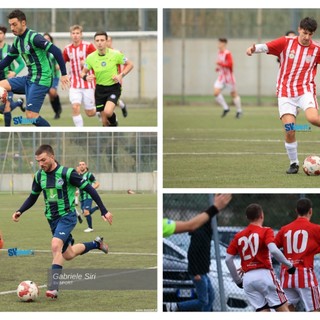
90,246
113,120
40,122
237,103
121,104
89,221
7,119
78,120
93,210
222,102
292,151
54,277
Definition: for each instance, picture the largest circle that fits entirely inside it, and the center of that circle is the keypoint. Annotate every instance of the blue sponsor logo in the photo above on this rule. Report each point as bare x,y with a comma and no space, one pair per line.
13,252
20,120
297,127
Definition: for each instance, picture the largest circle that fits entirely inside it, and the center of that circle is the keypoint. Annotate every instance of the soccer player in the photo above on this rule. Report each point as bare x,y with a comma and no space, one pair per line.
104,62
85,198
33,48
121,103
9,72
170,227
80,91
58,184
53,92
299,57
300,241
226,78
254,245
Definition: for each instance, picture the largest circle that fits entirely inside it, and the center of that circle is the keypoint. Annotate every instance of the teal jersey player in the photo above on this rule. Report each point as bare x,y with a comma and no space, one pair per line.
58,188
34,54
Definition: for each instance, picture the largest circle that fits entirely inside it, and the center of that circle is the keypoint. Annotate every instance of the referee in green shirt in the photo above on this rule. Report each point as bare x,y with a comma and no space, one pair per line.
104,62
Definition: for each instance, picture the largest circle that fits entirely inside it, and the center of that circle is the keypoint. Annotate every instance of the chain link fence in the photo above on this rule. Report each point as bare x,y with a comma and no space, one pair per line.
279,209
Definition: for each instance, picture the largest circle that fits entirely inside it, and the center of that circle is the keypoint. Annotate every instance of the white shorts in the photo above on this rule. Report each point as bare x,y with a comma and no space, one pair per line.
82,95
263,289
309,296
224,85
289,105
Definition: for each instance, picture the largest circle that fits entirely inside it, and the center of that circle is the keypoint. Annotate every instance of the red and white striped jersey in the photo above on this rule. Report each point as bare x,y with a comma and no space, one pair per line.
298,66
76,56
225,67
251,244
300,241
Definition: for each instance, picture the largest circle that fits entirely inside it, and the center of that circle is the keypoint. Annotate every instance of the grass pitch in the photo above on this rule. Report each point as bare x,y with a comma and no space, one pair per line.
142,116
132,241
203,150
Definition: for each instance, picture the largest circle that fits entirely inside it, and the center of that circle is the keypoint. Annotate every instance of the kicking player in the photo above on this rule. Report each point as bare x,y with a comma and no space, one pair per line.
58,184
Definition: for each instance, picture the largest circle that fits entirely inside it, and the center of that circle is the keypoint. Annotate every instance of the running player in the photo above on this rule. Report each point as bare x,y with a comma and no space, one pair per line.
58,184
254,245
85,198
80,91
300,241
226,78
33,48
104,62
299,57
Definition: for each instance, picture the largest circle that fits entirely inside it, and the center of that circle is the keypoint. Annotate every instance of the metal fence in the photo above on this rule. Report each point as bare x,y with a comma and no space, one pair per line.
104,152
279,209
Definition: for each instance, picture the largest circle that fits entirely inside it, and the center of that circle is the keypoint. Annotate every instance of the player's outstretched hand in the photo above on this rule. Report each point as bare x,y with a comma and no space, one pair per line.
221,200
107,217
251,50
291,270
16,216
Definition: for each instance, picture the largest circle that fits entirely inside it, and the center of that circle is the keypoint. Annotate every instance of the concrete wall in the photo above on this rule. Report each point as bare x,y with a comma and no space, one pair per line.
200,75
108,182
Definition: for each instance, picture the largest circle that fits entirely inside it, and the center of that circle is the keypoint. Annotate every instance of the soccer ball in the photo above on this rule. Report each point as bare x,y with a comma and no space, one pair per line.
28,291
311,166
3,95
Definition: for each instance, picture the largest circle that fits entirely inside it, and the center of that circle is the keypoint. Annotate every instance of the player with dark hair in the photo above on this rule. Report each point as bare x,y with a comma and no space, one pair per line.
300,241
226,78
254,245
299,57
104,62
85,198
58,184
53,92
33,48
9,72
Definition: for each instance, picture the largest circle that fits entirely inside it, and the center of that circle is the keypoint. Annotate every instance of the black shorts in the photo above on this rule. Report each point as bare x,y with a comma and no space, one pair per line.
106,93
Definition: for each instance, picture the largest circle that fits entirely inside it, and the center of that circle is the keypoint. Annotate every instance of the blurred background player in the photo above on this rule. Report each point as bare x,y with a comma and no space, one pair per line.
293,91
53,92
9,72
300,241
254,245
80,91
85,198
224,67
120,103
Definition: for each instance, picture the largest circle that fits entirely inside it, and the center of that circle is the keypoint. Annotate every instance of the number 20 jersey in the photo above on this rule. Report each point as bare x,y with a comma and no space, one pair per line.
252,246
